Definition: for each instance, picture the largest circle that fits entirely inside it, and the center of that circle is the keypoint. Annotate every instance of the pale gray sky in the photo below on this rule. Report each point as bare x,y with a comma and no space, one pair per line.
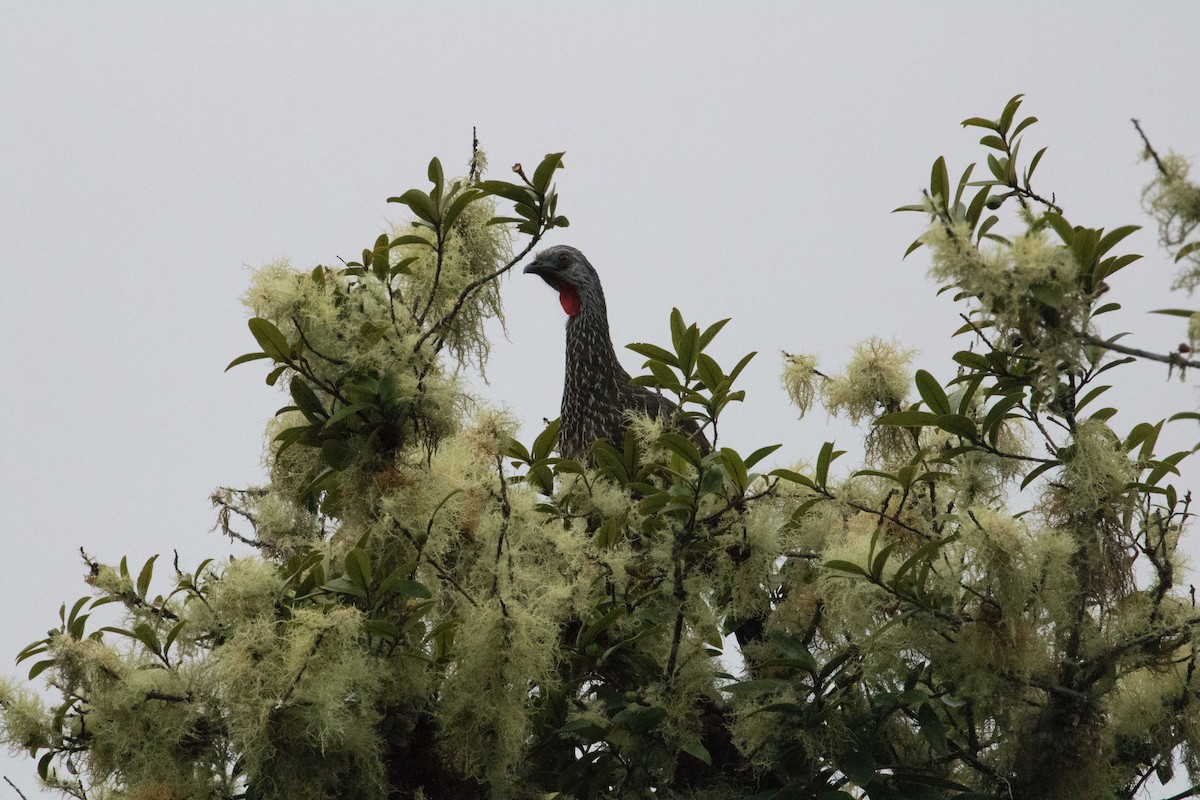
731,160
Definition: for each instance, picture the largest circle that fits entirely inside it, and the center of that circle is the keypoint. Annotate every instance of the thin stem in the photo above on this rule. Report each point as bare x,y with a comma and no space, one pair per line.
470,288
1150,149
1173,359
308,344
296,682
15,789
437,274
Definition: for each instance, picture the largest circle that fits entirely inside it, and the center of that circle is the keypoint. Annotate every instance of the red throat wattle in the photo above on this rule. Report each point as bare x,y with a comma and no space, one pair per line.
569,297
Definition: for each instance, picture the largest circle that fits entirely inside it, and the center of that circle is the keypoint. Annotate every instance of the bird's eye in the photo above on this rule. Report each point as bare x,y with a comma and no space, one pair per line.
563,260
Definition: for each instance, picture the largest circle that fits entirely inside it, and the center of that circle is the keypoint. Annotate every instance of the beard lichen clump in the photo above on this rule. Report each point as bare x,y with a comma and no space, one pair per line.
1174,201
876,379
1028,291
799,380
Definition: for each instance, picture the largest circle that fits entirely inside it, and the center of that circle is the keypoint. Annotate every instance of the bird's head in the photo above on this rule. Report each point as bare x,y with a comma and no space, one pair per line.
569,273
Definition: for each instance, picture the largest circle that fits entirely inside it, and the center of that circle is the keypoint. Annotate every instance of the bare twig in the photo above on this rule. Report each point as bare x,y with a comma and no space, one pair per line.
505,514
1190,792
808,554
442,572
470,288
1162,170
308,344
1173,359
15,789
227,508
296,682
474,174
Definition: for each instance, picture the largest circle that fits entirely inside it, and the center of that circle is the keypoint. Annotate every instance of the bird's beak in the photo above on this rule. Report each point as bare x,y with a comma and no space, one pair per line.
540,268
547,272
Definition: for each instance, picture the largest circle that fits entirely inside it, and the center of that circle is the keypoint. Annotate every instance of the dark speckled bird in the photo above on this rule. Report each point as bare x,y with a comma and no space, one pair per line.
596,390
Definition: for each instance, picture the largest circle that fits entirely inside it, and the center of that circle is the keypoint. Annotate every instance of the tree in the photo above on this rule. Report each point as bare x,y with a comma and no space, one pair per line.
989,607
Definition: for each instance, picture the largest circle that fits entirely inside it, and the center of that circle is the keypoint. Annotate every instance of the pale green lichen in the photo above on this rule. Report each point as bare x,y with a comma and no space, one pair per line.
1029,290
25,718
799,379
876,379
1174,202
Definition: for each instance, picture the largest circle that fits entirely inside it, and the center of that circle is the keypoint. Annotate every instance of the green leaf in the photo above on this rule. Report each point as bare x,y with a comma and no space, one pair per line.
1010,110
1035,472
143,580
1186,313
880,561
345,586
145,634
243,359
1187,250
655,352
681,446
412,239
741,365
546,440
711,331
794,477
509,191
343,412
696,750
385,629
845,566
932,393
709,370
1110,239
545,171
337,453
826,457
957,424
998,413
306,400
1061,226
420,203
939,181
917,243
760,454
735,467
758,686
1090,396
269,338
678,328
908,419
358,567
459,204
859,766
436,176
979,122
37,669
1051,294
1025,123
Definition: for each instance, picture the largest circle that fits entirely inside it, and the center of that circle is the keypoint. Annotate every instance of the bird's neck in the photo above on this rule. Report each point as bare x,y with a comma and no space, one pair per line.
592,367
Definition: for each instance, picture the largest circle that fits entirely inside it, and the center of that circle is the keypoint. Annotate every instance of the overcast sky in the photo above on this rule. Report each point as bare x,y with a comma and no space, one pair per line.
733,160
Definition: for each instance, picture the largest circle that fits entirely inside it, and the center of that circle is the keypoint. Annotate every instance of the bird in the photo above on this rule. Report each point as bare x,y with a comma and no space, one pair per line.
598,396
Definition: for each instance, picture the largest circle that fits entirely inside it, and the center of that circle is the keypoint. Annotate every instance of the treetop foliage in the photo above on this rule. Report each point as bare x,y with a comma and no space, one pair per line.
990,606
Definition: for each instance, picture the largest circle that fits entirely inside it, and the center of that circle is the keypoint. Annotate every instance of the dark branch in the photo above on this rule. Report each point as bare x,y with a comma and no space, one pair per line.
1173,359
470,288
1162,170
15,789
